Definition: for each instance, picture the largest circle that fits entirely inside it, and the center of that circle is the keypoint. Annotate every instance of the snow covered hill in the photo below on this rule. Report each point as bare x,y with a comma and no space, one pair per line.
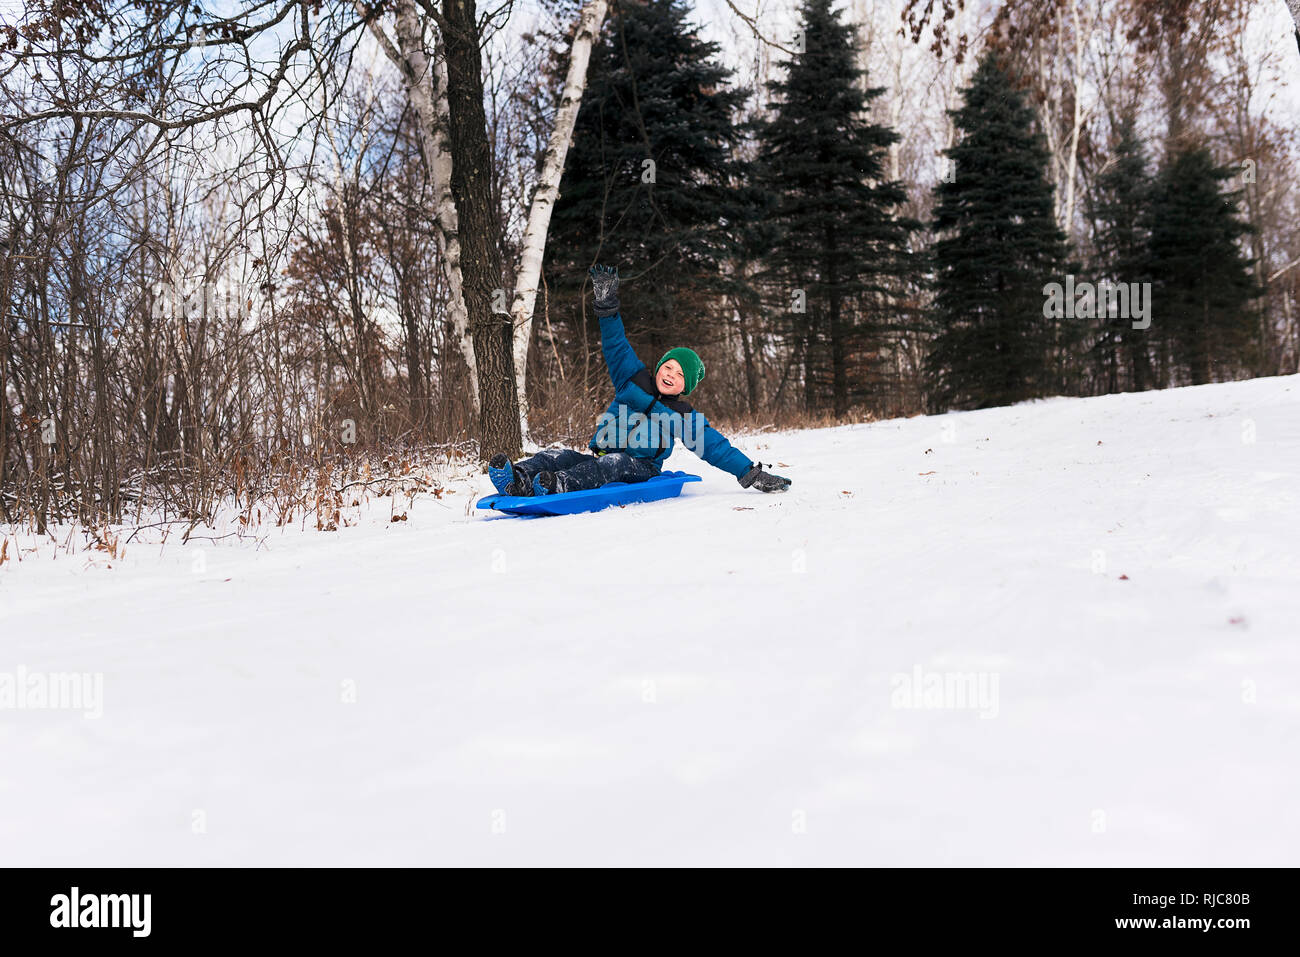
1059,633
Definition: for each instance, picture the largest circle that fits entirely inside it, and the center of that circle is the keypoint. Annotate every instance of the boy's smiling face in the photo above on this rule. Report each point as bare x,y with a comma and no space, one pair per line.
670,378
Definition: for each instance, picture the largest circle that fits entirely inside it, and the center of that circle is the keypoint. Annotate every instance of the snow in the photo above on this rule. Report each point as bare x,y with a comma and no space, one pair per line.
1113,580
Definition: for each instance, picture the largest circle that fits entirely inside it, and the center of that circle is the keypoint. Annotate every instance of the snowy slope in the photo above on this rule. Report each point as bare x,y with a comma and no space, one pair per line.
688,683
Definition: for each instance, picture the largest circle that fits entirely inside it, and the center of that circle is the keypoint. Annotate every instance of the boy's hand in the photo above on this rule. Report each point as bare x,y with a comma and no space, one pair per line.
604,282
763,481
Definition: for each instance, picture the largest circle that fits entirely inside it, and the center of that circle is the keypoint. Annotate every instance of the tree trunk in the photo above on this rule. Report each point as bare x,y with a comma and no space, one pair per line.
839,370
1139,362
1200,360
839,376
1072,159
7,323
1176,123
548,188
471,188
426,86
809,349
751,370
417,383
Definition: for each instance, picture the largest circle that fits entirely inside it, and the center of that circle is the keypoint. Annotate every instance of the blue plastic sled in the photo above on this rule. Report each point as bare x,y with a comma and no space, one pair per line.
663,485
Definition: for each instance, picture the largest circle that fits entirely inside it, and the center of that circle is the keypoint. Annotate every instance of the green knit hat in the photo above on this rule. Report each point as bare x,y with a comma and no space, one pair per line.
692,367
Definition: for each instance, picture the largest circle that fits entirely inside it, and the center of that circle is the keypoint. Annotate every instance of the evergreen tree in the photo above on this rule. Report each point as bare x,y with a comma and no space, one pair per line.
999,247
1202,288
651,182
839,237
1119,204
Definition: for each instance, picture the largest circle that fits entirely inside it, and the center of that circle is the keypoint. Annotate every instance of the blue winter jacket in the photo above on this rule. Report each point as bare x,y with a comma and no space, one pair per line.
646,424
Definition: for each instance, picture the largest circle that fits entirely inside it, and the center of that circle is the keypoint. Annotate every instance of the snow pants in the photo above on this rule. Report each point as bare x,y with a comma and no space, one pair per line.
575,471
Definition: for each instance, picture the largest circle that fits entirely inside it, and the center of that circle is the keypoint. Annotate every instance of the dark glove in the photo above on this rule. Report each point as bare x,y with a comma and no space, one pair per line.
604,281
763,481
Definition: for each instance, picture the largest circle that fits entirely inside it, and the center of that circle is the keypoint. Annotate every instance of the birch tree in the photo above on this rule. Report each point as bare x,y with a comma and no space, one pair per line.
548,188
426,86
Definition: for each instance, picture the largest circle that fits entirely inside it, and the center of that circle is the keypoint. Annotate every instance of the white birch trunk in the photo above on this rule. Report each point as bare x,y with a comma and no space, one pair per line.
548,188
1072,160
426,85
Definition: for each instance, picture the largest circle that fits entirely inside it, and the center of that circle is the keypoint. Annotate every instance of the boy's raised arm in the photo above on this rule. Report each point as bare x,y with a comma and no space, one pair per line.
619,357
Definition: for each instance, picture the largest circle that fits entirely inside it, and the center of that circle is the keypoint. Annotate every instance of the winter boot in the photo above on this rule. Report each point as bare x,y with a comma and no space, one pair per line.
544,483
501,472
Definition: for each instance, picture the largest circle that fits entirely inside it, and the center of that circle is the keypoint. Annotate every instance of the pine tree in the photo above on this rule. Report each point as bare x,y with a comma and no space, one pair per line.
1119,203
1202,288
999,247
652,182
839,237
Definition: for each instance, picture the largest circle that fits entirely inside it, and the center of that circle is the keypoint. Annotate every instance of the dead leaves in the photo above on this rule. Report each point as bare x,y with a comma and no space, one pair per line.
106,542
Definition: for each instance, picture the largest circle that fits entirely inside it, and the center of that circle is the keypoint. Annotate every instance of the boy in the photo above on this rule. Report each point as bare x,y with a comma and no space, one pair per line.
637,430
